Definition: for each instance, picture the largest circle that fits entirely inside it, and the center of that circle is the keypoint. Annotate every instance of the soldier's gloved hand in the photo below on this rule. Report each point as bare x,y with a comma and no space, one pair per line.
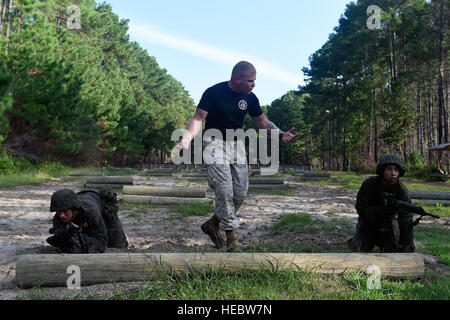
52,241
68,230
59,241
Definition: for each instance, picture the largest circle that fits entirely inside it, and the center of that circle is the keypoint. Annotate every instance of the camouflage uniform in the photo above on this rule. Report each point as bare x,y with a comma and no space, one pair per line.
388,227
97,215
229,180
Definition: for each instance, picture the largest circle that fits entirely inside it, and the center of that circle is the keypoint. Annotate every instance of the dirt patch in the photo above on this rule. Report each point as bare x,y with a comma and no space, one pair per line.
25,220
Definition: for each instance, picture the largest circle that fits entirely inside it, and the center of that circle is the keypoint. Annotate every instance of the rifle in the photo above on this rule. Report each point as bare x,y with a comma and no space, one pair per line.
389,199
68,230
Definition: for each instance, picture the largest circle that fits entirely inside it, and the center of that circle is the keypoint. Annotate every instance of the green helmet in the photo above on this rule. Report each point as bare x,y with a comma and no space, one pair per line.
64,199
390,159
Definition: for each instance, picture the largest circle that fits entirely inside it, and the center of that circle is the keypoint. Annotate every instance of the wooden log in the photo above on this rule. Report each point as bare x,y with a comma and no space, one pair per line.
161,170
85,174
266,181
175,191
110,180
163,200
103,186
122,169
431,202
51,269
192,178
431,195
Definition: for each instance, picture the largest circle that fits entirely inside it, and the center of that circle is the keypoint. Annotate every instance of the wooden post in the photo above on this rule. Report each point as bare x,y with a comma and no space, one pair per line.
51,269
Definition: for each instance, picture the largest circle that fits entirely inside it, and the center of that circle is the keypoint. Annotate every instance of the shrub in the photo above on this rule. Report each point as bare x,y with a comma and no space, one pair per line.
7,164
416,161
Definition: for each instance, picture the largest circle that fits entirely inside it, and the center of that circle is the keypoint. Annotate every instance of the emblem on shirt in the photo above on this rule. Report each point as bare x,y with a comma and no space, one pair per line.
242,105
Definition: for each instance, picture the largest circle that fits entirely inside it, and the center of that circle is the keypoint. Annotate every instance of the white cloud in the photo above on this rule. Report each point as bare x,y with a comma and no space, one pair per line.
223,56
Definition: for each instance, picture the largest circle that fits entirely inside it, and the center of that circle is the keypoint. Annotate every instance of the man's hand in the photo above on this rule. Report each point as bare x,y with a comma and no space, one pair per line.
194,126
183,144
289,136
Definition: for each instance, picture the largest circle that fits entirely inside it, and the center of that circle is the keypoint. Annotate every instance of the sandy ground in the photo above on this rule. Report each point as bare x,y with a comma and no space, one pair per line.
25,220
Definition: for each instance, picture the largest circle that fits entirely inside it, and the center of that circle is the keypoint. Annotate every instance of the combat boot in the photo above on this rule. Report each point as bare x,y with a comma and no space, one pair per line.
211,228
232,241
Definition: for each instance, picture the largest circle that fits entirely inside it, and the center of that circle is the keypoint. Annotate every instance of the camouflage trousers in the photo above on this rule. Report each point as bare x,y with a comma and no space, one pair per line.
227,174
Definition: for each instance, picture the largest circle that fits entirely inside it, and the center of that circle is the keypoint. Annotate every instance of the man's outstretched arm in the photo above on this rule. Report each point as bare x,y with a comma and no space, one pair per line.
193,128
263,123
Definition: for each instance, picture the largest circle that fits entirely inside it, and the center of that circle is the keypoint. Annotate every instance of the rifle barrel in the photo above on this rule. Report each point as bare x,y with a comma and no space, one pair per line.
415,209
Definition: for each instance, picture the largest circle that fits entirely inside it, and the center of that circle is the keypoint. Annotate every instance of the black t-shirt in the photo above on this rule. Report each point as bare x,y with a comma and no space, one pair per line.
226,108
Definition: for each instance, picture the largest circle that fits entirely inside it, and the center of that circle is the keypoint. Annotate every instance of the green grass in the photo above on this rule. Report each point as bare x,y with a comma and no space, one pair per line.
433,240
193,209
33,177
189,209
438,209
423,186
302,222
289,172
132,215
350,180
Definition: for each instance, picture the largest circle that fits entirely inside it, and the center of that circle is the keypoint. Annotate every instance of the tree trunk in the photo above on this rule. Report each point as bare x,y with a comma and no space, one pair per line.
2,13
345,160
441,116
8,29
430,118
393,54
375,126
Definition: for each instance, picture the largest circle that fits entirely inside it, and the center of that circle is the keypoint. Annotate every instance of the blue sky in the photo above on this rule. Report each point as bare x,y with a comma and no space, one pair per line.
199,41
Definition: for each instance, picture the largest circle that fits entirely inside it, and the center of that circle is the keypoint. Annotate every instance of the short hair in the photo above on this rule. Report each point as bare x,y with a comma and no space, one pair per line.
243,68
